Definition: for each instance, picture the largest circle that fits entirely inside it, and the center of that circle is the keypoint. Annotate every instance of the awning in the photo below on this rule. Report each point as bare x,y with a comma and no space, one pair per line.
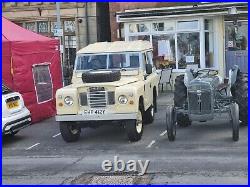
199,9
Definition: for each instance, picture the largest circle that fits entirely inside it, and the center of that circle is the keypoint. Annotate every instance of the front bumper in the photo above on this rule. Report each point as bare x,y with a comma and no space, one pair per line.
104,117
16,125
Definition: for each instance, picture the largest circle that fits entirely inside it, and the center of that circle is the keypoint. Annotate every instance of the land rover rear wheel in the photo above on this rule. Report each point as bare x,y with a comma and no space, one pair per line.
134,128
70,131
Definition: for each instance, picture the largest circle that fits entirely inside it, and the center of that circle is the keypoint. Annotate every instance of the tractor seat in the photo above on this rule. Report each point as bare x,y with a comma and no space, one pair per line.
222,86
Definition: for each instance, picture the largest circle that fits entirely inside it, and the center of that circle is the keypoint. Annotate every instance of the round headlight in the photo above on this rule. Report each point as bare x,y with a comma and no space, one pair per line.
123,99
68,100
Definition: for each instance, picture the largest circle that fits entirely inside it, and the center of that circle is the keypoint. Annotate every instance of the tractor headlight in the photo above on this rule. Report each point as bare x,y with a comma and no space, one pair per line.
68,100
123,99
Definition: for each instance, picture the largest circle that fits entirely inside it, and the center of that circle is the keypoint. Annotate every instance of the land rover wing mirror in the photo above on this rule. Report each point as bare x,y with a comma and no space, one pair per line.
149,68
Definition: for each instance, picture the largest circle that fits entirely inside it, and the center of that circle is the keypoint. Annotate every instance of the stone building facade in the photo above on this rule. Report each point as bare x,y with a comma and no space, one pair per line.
82,23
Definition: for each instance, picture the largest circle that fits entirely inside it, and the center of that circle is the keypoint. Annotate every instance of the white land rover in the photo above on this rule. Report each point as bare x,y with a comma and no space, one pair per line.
112,81
15,115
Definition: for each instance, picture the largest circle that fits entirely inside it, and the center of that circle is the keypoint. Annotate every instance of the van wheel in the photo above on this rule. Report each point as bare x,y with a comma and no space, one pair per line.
70,131
134,128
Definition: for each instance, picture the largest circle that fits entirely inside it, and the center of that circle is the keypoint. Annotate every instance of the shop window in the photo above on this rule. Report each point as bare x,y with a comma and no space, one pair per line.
187,25
43,27
69,26
43,82
31,26
158,26
236,36
139,37
163,26
164,50
208,25
53,26
188,50
138,27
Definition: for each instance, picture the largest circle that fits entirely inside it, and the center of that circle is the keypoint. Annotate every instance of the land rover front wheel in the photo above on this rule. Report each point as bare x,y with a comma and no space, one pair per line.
134,128
150,115
70,131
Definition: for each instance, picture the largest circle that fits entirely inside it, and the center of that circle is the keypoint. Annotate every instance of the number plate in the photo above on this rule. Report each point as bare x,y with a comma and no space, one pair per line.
93,112
12,104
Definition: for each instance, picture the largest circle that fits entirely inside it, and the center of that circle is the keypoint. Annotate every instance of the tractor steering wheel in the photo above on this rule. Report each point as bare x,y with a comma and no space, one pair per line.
207,72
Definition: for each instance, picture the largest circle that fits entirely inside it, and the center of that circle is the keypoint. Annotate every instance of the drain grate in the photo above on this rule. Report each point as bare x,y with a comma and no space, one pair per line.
113,178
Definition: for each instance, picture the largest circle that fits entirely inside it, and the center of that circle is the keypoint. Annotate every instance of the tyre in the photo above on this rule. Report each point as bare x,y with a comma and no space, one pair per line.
180,91
12,134
155,100
149,115
70,131
180,97
95,76
171,123
234,110
240,95
134,128
183,120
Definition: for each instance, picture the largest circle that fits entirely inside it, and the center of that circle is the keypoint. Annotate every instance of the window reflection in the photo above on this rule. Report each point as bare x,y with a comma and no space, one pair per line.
188,49
164,50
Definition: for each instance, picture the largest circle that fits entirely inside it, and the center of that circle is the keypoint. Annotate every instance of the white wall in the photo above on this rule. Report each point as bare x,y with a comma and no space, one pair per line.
219,44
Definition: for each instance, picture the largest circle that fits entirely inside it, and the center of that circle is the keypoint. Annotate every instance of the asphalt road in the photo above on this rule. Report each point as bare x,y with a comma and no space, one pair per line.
202,154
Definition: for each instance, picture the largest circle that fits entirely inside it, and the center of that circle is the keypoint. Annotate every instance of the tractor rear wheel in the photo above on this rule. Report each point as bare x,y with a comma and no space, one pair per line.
180,97
240,94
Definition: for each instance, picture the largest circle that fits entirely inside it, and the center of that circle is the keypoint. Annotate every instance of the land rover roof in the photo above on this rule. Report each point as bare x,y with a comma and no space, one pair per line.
116,47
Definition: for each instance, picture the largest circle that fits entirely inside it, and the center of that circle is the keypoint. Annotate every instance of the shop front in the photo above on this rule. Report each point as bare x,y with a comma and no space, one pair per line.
183,37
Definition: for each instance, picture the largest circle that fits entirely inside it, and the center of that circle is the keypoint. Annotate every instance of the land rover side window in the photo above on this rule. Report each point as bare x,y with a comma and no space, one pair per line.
43,83
88,62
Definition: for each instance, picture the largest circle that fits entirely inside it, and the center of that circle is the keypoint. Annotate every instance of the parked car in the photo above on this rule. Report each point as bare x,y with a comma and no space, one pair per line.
15,115
203,95
112,82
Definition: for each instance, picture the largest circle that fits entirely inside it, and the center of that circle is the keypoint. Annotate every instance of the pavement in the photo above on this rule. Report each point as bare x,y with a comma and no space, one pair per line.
203,153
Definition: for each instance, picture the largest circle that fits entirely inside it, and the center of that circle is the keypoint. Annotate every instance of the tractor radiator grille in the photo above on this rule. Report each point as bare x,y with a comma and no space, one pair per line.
200,103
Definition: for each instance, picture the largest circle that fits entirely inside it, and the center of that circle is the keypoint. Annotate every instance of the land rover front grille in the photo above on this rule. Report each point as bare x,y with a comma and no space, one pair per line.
97,97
